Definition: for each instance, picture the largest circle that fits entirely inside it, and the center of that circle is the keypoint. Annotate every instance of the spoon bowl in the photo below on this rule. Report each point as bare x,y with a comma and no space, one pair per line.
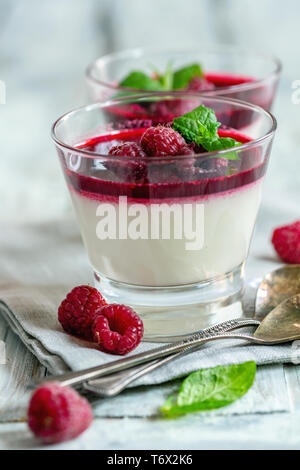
282,324
276,287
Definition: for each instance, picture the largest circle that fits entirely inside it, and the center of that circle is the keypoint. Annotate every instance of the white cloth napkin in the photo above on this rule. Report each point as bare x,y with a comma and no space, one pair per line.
41,263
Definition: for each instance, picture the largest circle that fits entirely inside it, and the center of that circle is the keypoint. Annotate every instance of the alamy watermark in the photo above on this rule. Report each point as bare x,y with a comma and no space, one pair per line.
152,221
2,92
296,92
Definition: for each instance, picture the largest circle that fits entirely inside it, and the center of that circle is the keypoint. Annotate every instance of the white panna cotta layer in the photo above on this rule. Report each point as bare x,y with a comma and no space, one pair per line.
208,236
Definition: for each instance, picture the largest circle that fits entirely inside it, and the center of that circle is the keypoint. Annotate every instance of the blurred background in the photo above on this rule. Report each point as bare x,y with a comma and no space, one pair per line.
46,46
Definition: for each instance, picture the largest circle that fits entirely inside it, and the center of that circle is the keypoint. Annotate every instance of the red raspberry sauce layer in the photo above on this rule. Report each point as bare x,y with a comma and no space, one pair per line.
96,188
227,80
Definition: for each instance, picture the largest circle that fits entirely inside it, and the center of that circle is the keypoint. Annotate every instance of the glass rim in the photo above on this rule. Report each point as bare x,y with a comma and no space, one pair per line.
128,99
139,52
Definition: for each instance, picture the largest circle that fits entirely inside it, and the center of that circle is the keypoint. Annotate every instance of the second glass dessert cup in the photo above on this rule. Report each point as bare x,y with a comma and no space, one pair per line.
234,72
167,235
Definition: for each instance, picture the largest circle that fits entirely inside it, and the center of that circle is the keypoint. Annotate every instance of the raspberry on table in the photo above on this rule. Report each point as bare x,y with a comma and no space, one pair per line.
77,311
57,413
286,241
161,141
127,149
117,329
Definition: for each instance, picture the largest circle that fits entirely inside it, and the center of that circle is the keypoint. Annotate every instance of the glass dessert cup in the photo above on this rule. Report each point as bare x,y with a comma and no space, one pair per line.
235,73
167,235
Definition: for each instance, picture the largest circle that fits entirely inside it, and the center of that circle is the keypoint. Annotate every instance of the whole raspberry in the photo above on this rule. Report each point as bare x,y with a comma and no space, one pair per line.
286,241
186,150
57,413
77,311
160,141
118,329
200,84
215,166
128,171
127,149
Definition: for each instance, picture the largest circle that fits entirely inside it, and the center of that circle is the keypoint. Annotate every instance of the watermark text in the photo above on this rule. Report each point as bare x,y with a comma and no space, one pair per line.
152,221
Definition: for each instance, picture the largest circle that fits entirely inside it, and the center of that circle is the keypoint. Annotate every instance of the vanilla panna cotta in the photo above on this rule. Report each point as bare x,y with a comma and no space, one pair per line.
217,237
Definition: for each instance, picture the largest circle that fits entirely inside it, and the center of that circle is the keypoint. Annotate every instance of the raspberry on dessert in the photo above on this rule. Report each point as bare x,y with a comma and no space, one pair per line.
128,171
161,141
186,150
216,166
200,84
135,124
117,329
164,111
286,241
57,413
127,149
77,311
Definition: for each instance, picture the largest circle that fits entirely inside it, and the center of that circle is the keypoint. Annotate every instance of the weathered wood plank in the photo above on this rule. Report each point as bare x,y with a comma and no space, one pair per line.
292,375
263,431
21,366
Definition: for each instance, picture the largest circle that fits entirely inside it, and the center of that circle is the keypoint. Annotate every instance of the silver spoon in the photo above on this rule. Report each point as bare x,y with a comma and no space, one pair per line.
281,325
79,377
275,287
111,385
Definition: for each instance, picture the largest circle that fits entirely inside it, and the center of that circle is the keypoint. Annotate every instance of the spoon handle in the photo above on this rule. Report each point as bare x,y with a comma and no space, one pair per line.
112,385
78,377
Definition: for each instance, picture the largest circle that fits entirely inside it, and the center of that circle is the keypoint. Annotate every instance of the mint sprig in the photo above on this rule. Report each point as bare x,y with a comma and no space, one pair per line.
197,125
201,126
169,80
183,76
166,80
209,389
141,81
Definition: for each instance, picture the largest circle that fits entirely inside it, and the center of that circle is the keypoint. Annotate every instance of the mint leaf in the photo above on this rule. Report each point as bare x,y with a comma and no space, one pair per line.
182,77
166,80
197,125
201,126
141,81
222,143
208,389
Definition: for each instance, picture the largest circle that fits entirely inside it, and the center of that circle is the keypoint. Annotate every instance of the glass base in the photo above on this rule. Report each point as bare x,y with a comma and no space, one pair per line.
171,313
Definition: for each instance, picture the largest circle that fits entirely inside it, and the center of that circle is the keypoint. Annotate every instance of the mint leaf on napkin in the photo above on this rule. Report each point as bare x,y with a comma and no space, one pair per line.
201,126
208,389
182,77
141,81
